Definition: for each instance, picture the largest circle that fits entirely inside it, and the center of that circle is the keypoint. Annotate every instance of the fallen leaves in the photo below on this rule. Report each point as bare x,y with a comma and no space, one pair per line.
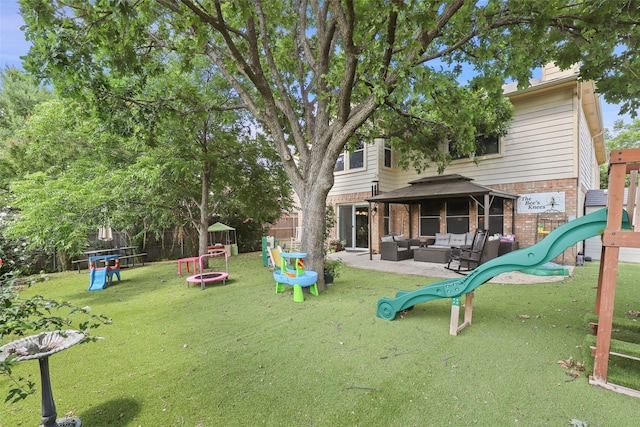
571,367
573,373
567,363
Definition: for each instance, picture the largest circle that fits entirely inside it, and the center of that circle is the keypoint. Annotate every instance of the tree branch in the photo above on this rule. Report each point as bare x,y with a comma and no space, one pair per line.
345,22
285,98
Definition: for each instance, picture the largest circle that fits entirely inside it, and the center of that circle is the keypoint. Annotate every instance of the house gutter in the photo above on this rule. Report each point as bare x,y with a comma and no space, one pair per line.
543,86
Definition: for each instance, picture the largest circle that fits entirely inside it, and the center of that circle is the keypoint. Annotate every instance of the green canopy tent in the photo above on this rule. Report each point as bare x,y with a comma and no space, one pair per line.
222,234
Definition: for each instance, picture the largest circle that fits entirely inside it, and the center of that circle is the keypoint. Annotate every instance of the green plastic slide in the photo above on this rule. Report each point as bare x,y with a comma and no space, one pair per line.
551,246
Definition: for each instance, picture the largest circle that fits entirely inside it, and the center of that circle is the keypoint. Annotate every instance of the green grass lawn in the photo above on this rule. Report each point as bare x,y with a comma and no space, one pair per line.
242,355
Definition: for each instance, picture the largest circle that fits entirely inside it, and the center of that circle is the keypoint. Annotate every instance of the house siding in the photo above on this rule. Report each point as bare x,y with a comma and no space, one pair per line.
539,144
552,71
359,180
589,175
589,171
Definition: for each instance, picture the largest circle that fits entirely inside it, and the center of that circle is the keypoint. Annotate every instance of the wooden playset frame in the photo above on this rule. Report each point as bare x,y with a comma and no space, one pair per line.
621,163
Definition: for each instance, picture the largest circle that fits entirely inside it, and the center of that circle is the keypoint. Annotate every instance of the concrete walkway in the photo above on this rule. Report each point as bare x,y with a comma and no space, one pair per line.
361,260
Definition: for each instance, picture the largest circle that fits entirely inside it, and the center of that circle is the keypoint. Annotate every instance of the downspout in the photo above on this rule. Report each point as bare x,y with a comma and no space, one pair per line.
513,216
374,192
370,233
487,206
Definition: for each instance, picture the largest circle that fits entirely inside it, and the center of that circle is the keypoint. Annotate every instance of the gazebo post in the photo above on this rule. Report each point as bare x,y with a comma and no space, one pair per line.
374,192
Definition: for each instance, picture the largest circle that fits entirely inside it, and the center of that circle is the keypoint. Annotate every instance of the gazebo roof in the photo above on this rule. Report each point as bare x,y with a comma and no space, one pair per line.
218,226
438,187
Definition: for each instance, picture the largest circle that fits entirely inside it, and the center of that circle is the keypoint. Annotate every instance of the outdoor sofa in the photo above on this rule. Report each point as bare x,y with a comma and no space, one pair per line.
440,250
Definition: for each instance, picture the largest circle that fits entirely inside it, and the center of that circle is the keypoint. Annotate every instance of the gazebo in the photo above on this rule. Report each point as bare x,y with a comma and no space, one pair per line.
223,235
441,188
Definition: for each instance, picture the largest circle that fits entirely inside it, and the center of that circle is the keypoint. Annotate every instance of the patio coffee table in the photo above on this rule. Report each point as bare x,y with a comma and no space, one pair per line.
431,254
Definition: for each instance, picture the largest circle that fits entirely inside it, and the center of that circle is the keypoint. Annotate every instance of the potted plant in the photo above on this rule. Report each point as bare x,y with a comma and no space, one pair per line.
335,245
331,270
330,222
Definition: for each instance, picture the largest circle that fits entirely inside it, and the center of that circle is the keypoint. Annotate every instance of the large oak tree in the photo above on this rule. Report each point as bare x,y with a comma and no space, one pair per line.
314,72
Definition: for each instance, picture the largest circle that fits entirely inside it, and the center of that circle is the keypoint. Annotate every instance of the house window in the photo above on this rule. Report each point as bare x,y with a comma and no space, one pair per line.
339,167
496,217
430,217
387,156
458,216
387,218
351,160
485,145
356,158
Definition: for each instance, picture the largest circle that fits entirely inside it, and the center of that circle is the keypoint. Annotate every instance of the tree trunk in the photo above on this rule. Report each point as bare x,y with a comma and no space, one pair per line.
313,225
63,260
203,226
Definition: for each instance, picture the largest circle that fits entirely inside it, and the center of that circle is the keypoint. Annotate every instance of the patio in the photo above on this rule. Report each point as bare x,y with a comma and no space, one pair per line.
409,266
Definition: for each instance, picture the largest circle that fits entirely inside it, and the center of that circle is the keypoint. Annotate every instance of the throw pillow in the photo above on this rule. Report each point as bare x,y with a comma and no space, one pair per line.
442,239
458,240
469,238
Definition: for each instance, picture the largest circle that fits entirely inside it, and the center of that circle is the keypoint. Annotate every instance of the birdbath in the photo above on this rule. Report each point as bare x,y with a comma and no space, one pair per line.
40,347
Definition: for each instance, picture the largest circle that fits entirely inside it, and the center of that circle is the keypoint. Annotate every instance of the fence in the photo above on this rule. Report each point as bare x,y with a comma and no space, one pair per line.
284,228
169,245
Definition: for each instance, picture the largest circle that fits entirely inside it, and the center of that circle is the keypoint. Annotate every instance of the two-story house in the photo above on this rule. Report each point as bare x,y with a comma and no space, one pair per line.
526,183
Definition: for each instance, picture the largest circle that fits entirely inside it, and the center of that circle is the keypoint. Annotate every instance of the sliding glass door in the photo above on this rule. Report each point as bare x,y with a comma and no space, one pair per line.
353,226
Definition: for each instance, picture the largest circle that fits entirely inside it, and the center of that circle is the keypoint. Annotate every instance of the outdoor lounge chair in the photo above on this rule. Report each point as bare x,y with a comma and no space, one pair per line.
397,248
391,251
469,258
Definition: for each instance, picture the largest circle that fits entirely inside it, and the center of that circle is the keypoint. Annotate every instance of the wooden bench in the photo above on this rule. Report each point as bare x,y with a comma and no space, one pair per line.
80,261
133,258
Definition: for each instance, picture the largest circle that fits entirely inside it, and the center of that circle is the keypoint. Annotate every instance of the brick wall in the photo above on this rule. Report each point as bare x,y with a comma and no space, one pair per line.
526,227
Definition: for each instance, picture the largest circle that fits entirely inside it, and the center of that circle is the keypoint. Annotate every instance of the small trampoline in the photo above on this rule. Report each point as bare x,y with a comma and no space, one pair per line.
213,276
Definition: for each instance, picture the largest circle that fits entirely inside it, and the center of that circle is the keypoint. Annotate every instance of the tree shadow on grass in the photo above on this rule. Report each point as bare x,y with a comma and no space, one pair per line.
113,412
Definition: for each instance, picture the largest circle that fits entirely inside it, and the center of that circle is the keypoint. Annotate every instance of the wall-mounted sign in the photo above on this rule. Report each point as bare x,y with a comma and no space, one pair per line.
541,202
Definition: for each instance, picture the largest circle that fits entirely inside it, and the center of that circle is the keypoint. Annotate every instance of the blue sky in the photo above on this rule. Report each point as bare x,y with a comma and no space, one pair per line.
13,45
